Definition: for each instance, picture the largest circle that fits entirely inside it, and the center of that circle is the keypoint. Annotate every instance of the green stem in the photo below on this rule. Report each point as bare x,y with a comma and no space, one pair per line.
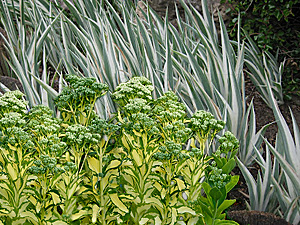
74,114
167,202
215,213
90,111
44,195
101,187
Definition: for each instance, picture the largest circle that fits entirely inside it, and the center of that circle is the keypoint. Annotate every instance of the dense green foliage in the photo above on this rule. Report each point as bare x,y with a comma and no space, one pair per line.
261,19
147,165
274,25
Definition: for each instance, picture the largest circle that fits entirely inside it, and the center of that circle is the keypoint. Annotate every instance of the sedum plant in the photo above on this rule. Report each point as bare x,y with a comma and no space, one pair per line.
76,101
148,164
163,149
15,158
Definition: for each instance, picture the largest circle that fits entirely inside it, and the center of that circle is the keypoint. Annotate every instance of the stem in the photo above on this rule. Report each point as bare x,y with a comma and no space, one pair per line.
74,115
102,203
77,156
90,111
44,195
215,213
84,159
168,184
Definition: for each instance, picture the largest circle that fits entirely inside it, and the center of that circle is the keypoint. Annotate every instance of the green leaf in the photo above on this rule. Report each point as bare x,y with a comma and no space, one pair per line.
59,222
215,193
28,214
115,199
78,215
113,164
180,183
55,198
12,172
137,158
229,166
219,162
185,209
206,210
233,181
226,204
94,164
95,210
225,222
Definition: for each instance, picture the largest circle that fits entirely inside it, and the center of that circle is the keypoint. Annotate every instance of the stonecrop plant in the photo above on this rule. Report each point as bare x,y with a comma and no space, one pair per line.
149,164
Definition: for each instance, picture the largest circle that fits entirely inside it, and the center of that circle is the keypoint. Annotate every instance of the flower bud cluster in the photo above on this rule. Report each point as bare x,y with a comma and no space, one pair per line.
137,105
143,122
136,87
168,108
12,102
45,165
39,112
49,126
41,121
80,135
12,119
205,123
52,145
178,131
70,166
171,150
102,127
17,136
196,152
79,91
228,143
217,178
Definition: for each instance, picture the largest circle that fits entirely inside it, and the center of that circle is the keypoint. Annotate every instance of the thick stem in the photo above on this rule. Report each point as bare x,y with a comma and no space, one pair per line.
168,185
90,111
102,203
215,213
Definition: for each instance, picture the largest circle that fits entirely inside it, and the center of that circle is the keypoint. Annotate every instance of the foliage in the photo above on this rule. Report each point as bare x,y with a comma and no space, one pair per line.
273,26
144,166
110,163
27,44
260,17
112,46
218,182
263,67
154,136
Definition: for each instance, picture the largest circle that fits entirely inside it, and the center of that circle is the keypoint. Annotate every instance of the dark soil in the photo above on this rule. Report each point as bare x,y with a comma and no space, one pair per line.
256,218
11,83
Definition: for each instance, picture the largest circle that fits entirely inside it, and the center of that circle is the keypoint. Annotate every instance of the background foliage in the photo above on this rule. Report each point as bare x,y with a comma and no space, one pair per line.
274,25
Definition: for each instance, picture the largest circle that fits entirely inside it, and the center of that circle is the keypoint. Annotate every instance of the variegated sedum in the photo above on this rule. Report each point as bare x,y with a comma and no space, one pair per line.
147,165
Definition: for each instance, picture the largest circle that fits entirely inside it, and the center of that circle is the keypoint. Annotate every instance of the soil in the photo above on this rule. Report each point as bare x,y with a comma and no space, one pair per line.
11,83
256,218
